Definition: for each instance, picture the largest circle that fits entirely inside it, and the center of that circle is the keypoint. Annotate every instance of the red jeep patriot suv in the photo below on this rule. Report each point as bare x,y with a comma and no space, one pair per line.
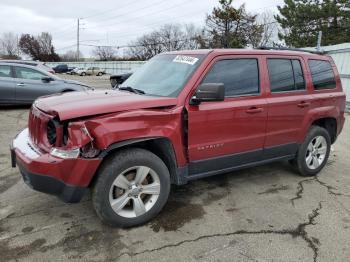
182,116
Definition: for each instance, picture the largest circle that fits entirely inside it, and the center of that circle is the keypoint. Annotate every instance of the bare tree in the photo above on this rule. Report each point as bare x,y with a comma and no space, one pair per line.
9,46
104,53
270,29
169,37
70,56
45,42
38,47
192,34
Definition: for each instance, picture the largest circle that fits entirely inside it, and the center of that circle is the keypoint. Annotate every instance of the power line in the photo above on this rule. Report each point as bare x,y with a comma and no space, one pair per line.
161,22
142,45
134,11
110,10
65,47
143,15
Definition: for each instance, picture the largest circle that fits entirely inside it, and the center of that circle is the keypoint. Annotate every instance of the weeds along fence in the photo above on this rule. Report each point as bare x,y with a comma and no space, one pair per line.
111,67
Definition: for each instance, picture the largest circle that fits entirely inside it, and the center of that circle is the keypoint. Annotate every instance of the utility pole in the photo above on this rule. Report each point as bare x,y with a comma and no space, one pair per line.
78,32
319,39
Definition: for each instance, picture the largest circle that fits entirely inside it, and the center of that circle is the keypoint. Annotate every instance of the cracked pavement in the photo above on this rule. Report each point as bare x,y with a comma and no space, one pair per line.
266,213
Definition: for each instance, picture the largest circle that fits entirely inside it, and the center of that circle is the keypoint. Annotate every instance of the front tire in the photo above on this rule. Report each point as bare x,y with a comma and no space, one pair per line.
313,153
132,187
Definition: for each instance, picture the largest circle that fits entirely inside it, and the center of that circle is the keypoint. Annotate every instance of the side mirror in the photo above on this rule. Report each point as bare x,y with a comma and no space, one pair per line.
209,92
47,79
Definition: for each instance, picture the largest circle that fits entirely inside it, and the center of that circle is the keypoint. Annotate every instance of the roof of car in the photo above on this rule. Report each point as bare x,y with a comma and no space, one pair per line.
26,62
245,52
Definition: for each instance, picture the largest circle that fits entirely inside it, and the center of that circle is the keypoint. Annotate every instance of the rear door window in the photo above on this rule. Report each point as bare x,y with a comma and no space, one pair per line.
322,74
285,75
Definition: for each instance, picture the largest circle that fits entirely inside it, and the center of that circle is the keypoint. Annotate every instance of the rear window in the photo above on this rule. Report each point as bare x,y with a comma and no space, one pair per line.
285,75
322,74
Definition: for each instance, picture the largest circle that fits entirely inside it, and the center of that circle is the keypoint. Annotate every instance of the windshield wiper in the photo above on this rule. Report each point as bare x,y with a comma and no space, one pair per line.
133,90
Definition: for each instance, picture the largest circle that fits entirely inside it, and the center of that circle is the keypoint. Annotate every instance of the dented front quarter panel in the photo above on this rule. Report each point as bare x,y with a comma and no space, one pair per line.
140,123
78,135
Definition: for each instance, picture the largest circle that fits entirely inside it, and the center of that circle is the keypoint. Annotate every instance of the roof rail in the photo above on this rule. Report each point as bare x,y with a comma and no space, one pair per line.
291,49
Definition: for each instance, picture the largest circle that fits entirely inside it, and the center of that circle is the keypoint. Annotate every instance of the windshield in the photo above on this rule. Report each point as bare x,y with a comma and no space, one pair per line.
164,75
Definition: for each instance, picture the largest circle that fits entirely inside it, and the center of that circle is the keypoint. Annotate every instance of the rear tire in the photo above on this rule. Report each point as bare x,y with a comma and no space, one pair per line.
99,74
313,153
83,74
132,187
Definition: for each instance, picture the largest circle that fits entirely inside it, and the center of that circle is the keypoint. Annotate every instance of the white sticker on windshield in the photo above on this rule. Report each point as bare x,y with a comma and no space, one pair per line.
185,59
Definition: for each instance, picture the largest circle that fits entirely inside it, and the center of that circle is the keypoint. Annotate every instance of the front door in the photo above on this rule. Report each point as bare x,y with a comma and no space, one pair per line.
230,133
7,85
29,85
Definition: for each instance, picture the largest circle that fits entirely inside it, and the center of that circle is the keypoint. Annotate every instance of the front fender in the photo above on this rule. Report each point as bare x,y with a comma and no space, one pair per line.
138,125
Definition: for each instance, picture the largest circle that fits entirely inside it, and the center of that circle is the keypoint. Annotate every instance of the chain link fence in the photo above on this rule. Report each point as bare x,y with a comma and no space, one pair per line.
111,67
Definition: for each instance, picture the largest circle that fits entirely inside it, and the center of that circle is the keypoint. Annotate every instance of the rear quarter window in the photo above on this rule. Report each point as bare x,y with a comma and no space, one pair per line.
322,74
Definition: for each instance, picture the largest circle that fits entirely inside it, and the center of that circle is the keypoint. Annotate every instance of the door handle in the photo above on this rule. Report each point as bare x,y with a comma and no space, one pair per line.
21,84
303,104
254,110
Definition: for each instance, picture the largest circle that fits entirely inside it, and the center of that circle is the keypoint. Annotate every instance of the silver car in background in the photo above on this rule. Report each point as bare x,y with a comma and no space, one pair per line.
22,84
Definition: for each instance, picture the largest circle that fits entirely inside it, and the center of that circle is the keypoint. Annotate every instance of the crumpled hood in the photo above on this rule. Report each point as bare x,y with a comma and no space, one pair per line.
80,104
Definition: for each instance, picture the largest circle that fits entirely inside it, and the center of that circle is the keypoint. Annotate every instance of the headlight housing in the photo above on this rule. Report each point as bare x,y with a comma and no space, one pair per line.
51,132
65,154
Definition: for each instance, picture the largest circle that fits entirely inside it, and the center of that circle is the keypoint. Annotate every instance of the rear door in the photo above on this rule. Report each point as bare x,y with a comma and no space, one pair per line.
7,85
29,85
289,100
228,133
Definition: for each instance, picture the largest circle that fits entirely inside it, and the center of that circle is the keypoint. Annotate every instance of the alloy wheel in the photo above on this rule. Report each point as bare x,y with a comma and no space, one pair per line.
134,191
316,152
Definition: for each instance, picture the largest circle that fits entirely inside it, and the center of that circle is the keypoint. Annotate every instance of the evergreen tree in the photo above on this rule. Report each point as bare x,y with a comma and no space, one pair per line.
301,20
230,27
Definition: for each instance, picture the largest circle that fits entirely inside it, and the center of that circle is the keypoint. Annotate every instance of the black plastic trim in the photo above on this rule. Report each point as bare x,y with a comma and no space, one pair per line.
224,162
13,156
122,144
52,186
228,163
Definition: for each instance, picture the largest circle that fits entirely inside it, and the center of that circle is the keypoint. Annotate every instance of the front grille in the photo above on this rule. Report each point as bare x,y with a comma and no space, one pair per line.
34,125
37,123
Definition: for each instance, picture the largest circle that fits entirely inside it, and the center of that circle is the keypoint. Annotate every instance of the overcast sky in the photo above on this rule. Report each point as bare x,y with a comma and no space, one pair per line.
106,22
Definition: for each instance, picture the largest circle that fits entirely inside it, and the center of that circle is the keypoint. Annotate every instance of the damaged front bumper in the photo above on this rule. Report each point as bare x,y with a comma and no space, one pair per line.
66,178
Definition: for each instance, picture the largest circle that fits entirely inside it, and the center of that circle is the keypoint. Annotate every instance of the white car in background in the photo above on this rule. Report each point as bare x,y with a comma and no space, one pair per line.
76,71
96,71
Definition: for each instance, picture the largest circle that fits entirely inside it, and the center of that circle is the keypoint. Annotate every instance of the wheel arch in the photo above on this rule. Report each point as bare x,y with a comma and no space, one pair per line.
160,146
326,117
330,124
